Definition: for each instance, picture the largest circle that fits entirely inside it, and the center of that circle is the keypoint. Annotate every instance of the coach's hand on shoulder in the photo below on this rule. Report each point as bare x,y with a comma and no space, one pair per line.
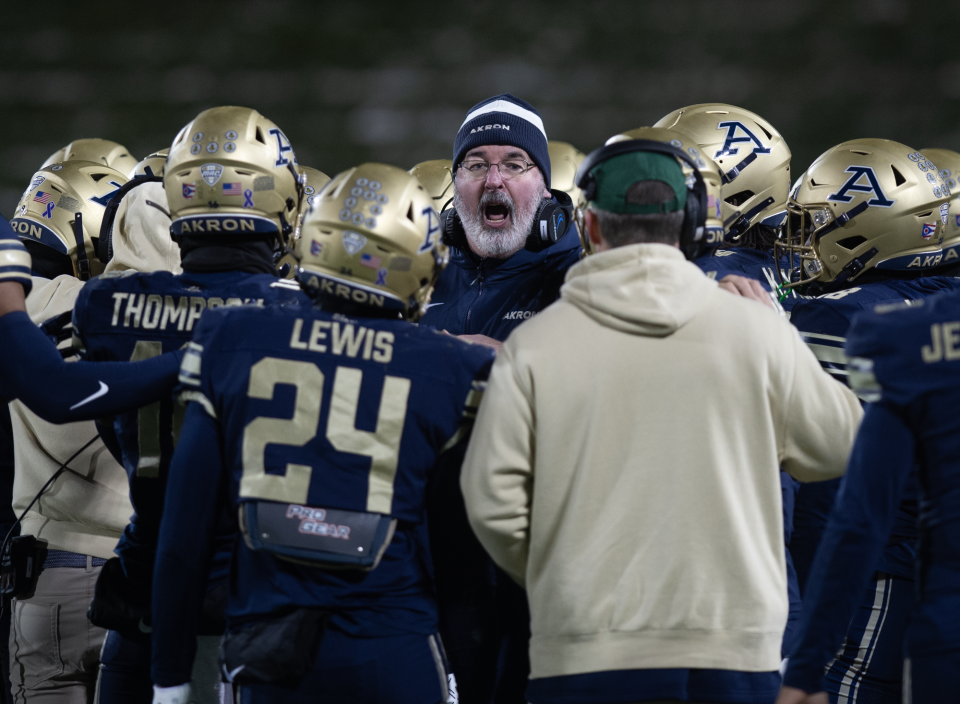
748,288
792,695
483,340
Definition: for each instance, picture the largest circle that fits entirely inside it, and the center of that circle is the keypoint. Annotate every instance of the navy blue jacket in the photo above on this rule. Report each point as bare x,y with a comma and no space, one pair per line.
491,297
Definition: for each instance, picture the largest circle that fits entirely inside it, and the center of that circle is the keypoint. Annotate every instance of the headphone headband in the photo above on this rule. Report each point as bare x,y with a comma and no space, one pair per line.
598,156
695,237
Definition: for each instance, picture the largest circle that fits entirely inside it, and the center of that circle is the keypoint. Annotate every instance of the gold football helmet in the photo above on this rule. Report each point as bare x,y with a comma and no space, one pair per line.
437,177
565,159
865,204
709,171
372,238
752,156
58,197
312,181
232,172
151,165
948,163
101,151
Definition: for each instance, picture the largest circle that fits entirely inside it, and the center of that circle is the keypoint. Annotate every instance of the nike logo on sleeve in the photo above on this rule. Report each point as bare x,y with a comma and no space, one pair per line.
92,397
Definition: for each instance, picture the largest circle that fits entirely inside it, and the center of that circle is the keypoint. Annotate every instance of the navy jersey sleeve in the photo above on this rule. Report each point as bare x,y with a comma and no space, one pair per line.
194,496
33,371
866,509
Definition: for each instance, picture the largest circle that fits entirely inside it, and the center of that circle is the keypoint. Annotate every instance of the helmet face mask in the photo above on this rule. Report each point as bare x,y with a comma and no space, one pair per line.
46,213
753,158
232,175
864,204
372,239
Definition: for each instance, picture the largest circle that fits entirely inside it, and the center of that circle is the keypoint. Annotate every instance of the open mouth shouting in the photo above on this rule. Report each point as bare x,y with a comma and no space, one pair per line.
496,210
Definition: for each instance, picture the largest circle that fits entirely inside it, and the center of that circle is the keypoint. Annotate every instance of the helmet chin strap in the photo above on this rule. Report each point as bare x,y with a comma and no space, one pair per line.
83,264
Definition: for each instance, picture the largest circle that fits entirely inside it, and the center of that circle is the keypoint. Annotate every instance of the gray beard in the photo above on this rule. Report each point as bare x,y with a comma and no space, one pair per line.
496,243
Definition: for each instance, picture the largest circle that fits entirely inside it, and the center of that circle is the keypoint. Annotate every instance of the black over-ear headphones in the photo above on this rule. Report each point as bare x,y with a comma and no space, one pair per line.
550,223
693,236
105,242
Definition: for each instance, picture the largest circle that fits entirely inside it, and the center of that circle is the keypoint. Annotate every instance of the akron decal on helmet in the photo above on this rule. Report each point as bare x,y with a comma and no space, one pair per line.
47,211
372,238
231,174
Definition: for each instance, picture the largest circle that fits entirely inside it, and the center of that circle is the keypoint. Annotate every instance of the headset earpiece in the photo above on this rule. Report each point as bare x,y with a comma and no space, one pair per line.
451,229
551,222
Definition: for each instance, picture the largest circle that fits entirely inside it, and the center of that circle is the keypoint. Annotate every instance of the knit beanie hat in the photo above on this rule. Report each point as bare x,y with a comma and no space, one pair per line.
504,119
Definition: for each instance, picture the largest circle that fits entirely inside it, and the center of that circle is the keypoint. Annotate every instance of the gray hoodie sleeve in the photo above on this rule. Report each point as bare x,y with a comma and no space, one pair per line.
818,420
497,475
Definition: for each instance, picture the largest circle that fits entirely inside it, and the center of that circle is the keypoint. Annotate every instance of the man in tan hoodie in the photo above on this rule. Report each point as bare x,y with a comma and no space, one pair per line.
625,462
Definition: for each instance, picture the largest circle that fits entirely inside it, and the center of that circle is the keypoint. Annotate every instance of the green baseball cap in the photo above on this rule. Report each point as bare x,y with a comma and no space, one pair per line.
615,176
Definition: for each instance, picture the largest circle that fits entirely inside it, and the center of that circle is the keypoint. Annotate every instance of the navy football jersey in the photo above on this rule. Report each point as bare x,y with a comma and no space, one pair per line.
320,415
907,360
129,316
823,323
751,263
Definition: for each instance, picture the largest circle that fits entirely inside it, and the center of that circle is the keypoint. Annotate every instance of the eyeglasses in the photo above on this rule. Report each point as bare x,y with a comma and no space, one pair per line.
477,169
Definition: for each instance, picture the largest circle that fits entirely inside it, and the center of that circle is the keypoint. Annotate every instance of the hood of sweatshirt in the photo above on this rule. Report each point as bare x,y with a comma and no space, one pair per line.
642,289
141,233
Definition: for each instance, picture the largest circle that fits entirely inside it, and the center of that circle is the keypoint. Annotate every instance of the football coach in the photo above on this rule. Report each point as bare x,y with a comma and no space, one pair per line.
511,242
624,465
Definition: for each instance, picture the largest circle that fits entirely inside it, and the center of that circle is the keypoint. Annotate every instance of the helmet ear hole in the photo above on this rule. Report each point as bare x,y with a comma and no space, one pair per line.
851,243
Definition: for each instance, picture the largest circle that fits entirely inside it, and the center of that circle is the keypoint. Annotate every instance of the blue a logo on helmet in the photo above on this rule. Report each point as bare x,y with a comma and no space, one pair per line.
433,229
872,186
732,127
105,198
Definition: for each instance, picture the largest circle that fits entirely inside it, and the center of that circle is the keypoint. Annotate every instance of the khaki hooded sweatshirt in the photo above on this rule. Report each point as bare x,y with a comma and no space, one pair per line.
625,464
87,508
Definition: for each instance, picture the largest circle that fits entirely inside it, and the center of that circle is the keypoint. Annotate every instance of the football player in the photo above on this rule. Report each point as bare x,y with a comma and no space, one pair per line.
31,368
865,224
318,432
151,165
83,515
436,176
948,164
100,151
906,359
313,182
754,162
233,191
565,159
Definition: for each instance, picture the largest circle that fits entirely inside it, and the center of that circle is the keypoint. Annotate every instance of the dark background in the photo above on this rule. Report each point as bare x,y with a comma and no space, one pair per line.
392,81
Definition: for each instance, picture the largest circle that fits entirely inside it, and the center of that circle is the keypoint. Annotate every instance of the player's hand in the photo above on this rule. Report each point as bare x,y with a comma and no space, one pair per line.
483,340
792,695
748,288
